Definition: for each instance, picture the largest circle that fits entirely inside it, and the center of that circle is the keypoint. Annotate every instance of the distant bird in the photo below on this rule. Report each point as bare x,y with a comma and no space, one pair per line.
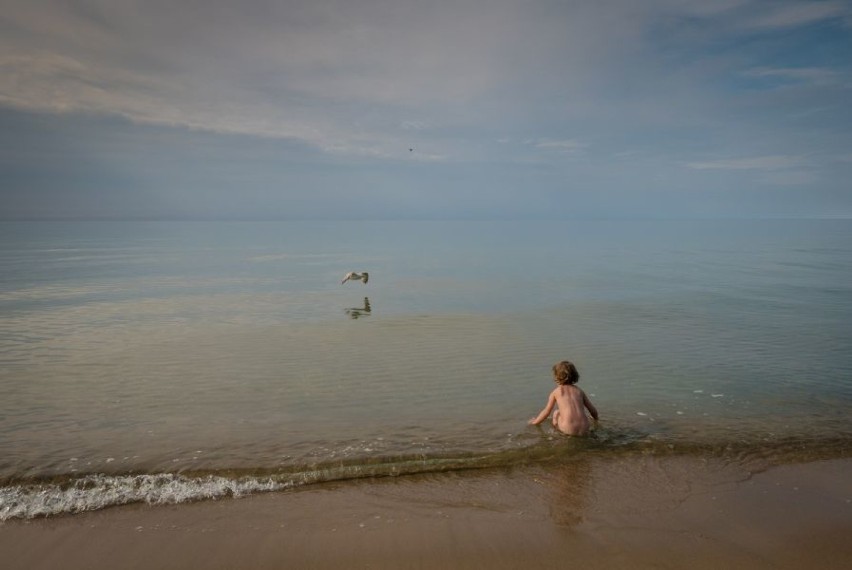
352,276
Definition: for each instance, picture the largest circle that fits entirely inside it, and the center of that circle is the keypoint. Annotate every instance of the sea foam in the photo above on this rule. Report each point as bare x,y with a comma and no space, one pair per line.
98,491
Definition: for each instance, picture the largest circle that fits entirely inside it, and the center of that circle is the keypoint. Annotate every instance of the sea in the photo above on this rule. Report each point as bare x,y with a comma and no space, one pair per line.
171,362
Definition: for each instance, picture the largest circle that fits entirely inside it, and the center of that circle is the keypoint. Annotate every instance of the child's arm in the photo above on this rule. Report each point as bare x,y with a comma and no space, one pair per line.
589,406
551,401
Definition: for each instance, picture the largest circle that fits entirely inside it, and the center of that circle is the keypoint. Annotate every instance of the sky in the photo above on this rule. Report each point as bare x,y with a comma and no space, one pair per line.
405,109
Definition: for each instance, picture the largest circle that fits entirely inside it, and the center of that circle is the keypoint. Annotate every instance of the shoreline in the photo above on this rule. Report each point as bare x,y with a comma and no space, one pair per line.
636,511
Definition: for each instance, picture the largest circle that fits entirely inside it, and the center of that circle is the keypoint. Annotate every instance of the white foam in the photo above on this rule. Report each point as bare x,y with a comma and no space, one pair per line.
99,491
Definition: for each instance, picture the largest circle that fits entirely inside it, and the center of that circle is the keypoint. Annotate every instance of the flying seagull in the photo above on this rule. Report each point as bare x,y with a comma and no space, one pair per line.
352,276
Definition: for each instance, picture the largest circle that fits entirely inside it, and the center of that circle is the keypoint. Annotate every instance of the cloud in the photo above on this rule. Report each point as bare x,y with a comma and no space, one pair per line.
770,170
340,76
330,95
792,14
813,75
752,163
197,59
410,125
569,146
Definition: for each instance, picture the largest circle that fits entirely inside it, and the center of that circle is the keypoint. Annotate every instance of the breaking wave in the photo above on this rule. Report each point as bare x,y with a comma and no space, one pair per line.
69,494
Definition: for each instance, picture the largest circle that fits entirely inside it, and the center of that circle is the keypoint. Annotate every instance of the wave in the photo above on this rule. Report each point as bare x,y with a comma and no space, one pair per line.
70,494
97,491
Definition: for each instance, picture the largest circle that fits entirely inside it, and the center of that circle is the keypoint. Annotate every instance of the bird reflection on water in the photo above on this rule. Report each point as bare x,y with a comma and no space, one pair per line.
356,312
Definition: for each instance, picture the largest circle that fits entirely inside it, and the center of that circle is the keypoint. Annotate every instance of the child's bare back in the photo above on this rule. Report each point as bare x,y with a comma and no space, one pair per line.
569,401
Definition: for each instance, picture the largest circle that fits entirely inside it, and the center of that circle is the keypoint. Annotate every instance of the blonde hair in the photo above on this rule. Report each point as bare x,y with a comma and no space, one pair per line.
565,373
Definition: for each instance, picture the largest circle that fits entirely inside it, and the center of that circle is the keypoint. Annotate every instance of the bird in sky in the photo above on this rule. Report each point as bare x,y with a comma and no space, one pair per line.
352,276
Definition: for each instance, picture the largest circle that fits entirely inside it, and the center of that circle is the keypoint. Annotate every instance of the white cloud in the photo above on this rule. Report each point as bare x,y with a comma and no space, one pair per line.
568,146
777,170
337,74
791,14
343,77
414,125
816,75
373,78
45,82
752,163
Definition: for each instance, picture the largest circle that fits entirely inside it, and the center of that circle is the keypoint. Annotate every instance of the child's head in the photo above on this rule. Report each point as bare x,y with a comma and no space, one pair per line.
565,373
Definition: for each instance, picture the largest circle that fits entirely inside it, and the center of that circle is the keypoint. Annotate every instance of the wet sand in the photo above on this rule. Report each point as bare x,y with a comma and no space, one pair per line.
627,512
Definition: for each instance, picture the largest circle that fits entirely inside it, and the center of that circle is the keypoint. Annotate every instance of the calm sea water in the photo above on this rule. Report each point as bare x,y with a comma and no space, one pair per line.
172,361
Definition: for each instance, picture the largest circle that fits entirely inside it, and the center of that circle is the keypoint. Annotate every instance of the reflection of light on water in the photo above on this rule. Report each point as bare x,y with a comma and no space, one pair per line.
127,289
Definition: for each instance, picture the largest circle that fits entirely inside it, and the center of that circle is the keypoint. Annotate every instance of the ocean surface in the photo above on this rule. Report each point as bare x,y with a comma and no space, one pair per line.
165,362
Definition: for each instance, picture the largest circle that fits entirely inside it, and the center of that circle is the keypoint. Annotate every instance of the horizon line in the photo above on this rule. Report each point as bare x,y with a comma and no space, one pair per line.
417,219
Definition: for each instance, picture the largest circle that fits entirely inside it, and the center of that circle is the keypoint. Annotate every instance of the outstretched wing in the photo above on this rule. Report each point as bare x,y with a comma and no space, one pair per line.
346,278
365,277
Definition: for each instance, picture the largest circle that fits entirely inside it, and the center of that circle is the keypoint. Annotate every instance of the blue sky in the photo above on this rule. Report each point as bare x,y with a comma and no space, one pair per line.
262,109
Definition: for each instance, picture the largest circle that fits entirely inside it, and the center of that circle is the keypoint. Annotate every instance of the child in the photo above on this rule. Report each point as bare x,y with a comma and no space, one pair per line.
570,417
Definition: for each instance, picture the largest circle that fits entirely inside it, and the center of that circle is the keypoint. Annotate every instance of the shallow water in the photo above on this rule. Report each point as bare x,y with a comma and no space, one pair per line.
171,361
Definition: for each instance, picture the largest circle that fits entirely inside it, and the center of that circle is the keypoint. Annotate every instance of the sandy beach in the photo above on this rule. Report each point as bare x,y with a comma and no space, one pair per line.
634,511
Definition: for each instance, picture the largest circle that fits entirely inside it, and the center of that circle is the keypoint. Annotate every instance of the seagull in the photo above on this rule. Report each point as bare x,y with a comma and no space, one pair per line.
352,276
